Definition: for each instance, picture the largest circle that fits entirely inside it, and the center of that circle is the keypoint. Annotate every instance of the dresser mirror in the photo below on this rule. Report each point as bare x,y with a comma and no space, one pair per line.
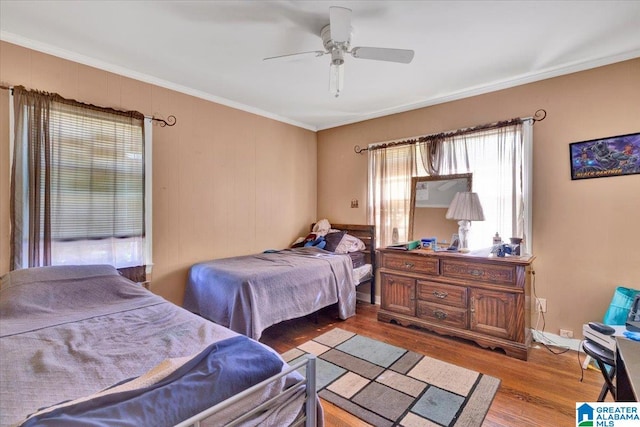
430,199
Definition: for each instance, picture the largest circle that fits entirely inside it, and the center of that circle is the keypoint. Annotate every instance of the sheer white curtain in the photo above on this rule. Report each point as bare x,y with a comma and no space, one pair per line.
390,172
499,159
496,160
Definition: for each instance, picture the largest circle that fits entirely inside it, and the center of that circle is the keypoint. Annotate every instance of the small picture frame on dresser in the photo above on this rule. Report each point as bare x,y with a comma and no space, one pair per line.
455,243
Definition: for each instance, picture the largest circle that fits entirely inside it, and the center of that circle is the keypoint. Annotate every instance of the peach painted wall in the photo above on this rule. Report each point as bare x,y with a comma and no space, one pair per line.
216,192
225,182
586,235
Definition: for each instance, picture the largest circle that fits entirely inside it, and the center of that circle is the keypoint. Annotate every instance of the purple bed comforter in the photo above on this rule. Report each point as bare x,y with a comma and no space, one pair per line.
68,333
220,371
249,293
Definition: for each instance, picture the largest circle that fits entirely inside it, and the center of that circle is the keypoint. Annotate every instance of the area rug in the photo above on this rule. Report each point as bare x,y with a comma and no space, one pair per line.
385,385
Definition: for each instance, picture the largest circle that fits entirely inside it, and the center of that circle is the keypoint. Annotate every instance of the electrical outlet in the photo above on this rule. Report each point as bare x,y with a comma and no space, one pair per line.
566,333
541,305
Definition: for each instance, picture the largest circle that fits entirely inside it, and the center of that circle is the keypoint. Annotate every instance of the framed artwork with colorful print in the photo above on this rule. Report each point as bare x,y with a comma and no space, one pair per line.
612,156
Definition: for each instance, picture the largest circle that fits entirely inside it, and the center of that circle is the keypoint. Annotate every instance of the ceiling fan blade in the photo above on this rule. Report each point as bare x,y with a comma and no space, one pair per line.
296,56
404,56
340,24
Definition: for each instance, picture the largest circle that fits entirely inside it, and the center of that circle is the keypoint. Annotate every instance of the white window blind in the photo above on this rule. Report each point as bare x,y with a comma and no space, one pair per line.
81,185
98,175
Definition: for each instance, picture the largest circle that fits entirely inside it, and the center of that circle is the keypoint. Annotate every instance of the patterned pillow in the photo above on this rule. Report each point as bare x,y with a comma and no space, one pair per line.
349,244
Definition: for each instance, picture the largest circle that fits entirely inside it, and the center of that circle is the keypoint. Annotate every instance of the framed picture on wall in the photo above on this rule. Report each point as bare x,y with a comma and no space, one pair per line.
612,156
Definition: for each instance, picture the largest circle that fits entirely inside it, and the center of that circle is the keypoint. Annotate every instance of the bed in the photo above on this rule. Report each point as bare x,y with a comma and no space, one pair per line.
83,346
250,293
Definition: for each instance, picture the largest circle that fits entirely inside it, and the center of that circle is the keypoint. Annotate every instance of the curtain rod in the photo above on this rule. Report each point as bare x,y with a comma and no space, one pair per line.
170,121
538,116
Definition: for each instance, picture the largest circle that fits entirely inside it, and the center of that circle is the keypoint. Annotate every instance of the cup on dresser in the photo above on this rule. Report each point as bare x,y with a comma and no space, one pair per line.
515,245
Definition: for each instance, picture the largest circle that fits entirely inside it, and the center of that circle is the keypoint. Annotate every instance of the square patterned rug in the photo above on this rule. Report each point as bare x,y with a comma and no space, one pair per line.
386,385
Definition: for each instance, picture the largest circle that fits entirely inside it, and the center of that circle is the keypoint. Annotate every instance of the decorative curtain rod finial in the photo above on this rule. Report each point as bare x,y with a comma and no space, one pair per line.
171,121
359,150
539,115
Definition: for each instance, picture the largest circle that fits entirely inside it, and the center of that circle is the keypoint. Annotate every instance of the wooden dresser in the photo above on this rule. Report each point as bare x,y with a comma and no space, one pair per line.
486,300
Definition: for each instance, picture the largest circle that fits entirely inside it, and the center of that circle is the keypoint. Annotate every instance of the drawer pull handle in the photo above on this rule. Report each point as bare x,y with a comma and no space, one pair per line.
476,272
440,314
440,294
408,264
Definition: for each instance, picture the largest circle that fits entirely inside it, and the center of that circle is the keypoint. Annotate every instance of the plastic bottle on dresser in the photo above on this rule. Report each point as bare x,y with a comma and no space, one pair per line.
497,240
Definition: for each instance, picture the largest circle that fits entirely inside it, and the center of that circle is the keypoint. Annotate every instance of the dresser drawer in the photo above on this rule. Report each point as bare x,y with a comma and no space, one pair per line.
398,294
489,273
440,293
413,264
443,314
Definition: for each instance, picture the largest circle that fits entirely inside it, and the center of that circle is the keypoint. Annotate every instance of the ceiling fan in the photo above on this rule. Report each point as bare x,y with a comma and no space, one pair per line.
336,39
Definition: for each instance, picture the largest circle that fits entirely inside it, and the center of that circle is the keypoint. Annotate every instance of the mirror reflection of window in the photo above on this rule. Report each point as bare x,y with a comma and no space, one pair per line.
438,194
431,198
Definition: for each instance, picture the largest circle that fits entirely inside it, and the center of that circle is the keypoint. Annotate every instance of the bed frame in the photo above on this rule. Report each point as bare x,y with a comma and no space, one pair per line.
366,233
300,398
309,416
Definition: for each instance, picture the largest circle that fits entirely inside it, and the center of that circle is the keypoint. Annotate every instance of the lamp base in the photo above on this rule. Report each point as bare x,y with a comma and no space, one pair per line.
463,234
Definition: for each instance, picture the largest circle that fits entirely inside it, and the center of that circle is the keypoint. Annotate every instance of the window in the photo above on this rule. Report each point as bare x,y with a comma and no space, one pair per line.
81,184
499,159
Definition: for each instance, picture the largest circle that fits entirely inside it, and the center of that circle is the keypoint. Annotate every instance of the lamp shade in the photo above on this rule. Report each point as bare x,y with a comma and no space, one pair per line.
465,206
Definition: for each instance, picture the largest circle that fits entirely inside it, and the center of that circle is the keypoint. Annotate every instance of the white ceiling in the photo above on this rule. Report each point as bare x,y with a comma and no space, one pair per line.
214,49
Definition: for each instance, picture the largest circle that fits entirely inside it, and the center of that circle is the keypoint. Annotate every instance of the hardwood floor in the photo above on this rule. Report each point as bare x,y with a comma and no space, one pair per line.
539,392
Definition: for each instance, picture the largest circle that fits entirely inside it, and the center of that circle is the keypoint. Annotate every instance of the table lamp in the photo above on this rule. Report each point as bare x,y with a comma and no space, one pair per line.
465,207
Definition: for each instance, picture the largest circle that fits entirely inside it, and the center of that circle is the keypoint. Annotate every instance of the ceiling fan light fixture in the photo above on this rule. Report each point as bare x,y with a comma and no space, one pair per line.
336,40
336,79
337,56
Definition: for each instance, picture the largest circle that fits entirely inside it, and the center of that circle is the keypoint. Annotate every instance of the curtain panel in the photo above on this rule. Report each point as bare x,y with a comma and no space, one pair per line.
390,173
495,158
30,201
77,184
494,154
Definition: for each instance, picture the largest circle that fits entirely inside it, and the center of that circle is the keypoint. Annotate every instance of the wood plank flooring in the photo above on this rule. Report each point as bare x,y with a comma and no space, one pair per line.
539,392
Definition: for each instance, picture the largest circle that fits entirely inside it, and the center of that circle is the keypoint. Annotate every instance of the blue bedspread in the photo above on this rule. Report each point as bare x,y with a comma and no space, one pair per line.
247,294
221,370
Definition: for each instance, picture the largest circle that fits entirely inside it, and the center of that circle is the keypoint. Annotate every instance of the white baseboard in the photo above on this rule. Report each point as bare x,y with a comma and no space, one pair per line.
366,297
556,340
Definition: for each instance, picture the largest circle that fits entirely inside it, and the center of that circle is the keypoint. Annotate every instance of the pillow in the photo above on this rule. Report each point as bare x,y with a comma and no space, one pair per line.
349,244
333,240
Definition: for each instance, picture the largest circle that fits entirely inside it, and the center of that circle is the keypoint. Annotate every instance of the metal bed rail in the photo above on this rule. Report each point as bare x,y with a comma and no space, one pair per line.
309,417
